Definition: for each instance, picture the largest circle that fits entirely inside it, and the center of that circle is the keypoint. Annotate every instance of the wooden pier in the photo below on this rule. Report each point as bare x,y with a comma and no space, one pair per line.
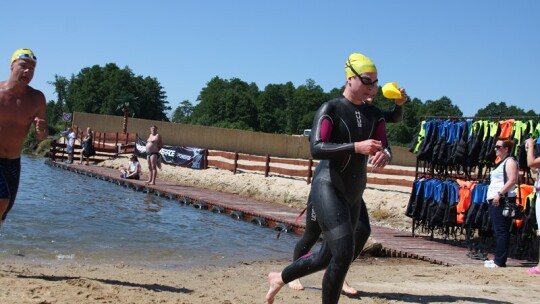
279,217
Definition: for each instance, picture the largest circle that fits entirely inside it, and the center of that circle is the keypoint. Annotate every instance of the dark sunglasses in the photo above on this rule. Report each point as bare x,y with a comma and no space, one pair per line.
367,81
498,147
364,79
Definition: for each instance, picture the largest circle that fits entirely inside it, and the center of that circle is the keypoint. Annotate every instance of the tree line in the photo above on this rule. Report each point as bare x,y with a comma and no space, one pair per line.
233,103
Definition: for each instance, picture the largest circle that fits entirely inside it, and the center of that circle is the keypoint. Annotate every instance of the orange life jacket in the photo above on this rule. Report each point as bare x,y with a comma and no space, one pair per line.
465,195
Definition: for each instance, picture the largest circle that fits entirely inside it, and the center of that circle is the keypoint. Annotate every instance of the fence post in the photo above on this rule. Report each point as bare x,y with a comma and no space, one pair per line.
126,142
235,162
267,167
53,156
205,164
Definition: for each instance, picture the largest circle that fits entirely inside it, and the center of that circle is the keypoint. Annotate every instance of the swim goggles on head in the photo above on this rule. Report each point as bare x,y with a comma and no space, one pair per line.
364,79
27,56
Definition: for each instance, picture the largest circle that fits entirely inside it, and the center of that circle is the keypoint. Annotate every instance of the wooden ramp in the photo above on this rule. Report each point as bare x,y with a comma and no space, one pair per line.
279,217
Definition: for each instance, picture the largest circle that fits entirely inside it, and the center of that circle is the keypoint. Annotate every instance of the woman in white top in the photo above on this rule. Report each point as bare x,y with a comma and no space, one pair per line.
134,169
533,162
502,183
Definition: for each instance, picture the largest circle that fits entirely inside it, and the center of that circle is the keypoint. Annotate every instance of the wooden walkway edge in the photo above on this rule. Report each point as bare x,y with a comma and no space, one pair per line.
394,243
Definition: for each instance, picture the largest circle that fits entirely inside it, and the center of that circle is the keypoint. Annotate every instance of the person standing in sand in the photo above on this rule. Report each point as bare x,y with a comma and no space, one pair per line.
153,145
343,135
312,230
20,107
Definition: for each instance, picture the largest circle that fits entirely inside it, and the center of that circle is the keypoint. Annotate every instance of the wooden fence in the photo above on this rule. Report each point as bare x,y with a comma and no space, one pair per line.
302,168
110,145
106,145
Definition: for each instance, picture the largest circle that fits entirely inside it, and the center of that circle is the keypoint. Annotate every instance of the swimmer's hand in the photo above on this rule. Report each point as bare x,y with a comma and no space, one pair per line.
403,98
380,159
40,125
368,147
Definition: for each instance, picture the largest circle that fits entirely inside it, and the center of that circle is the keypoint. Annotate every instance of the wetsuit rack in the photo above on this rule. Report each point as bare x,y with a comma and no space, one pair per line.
535,117
454,156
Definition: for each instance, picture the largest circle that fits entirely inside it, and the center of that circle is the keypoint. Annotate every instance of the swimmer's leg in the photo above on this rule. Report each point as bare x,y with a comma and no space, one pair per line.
276,283
348,290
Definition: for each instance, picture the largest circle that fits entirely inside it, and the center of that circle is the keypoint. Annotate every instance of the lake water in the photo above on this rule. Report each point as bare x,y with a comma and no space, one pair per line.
61,216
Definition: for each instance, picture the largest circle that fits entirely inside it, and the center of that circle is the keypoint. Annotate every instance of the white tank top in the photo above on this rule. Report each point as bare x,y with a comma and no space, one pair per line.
497,182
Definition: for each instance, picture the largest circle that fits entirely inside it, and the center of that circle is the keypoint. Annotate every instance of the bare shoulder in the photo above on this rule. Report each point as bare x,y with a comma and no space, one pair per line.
36,95
511,163
3,87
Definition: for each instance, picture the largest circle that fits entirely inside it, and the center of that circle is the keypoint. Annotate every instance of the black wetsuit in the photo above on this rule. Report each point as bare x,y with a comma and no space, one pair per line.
336,191
10,172
312,230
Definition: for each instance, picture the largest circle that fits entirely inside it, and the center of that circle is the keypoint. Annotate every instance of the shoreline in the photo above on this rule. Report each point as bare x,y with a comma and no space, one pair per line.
379,280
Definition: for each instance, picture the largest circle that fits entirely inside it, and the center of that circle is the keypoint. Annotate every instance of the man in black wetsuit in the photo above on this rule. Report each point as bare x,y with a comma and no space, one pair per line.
343,137
312,230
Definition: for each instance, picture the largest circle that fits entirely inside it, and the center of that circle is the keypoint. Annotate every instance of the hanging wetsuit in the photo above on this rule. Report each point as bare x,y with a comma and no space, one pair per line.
337,188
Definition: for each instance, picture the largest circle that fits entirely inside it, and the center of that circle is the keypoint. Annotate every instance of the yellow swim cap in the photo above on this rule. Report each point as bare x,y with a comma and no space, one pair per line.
358,64
23,54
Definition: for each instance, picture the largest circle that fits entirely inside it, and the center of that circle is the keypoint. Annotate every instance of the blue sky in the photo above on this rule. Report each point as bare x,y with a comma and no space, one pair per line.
474,52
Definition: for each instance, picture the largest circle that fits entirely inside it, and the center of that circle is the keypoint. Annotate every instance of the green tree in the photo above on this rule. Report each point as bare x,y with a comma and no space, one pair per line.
399,134
272,105
152,99
210,109
442,107
306,100
56,109
227,103
182,113
105,90
501,110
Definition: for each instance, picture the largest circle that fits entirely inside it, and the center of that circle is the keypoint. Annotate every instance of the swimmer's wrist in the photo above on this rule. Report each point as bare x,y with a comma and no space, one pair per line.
388,152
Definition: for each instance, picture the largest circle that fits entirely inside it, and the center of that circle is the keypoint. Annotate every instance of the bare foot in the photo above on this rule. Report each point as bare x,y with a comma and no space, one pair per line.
348,290
296,285
275,281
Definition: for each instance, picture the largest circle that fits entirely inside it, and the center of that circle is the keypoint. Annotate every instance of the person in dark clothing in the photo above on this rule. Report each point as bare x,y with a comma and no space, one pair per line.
343,138
88,146
503,180
312,230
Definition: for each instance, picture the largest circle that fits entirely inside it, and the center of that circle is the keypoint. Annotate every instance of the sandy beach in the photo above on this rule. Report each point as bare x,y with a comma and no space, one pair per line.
379,280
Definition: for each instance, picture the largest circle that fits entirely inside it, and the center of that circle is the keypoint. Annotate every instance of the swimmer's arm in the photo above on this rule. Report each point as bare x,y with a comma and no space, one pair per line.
396,115
160,142
40,118
321,131
321,148
382,157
